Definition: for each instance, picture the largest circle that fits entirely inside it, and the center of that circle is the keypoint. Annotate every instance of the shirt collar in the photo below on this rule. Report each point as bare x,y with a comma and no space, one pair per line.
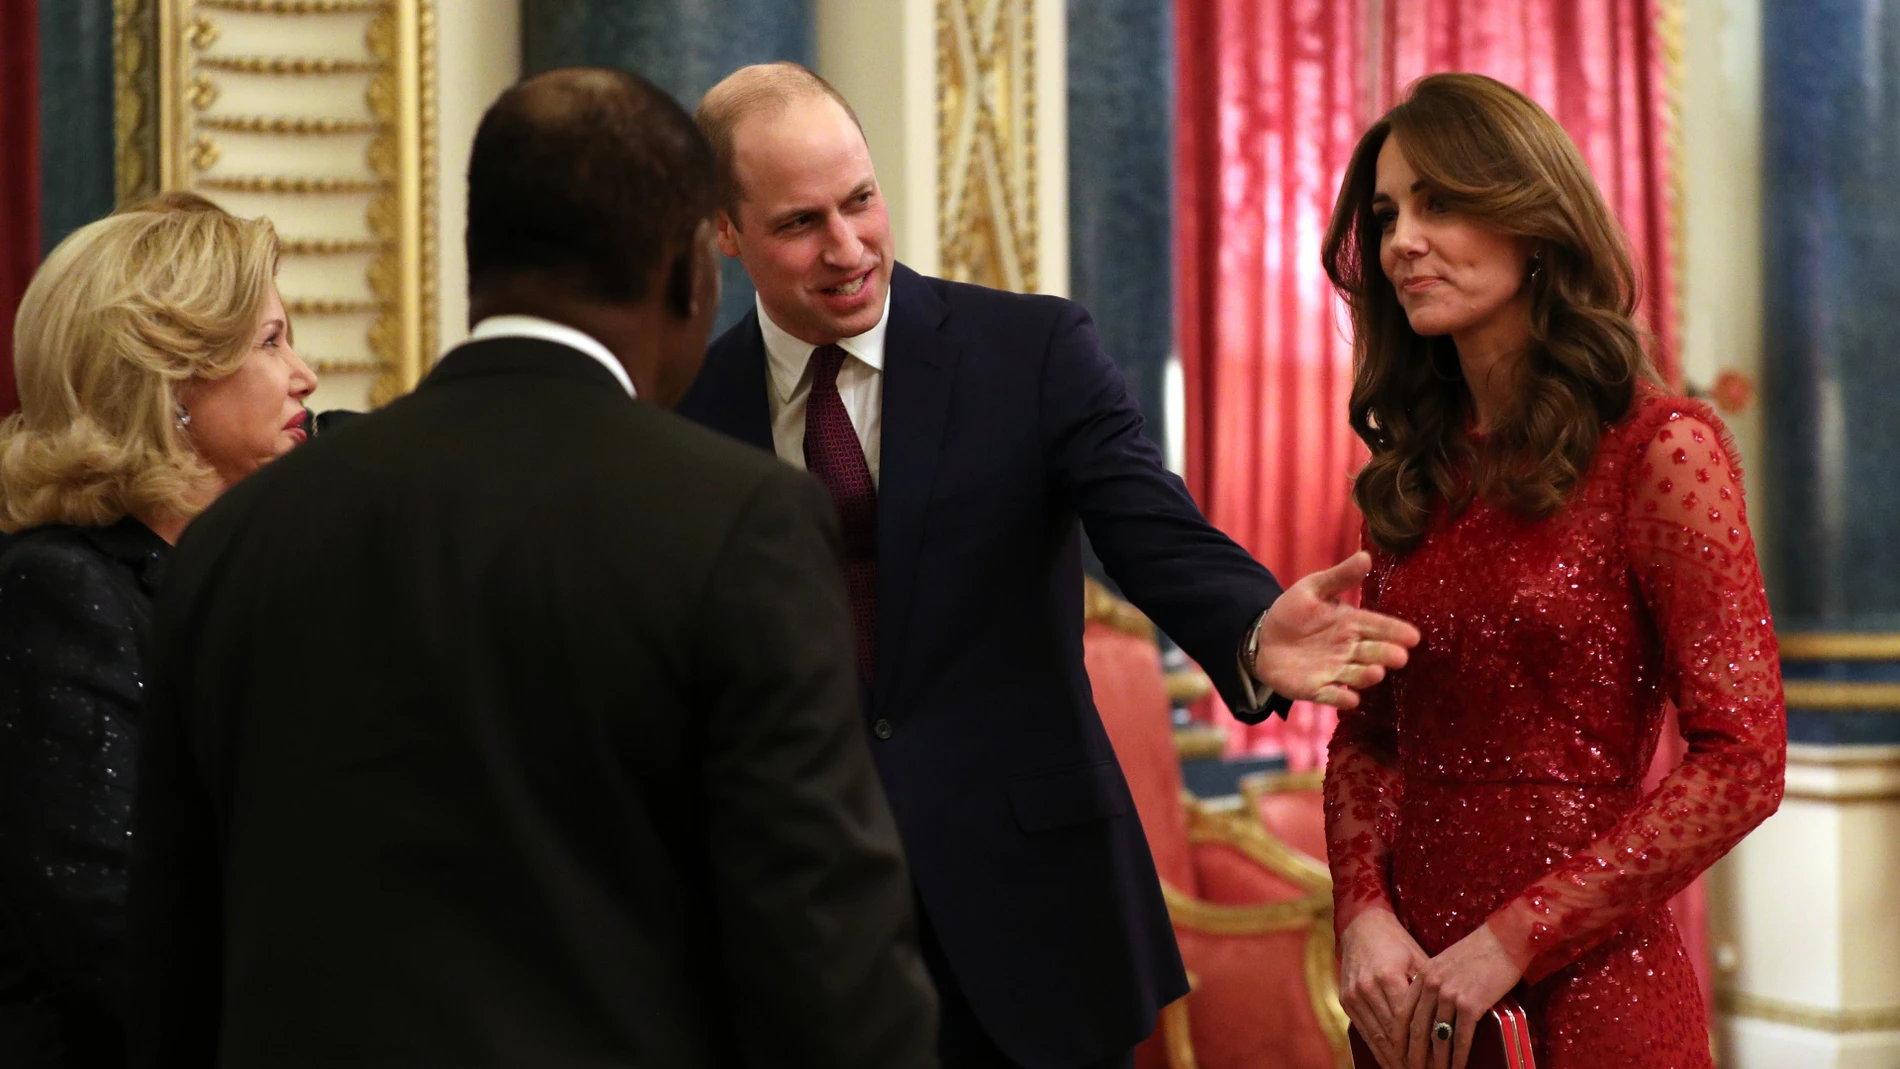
788,357
519,326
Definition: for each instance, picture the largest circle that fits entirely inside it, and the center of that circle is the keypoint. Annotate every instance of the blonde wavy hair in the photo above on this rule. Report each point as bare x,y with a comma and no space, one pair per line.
121,315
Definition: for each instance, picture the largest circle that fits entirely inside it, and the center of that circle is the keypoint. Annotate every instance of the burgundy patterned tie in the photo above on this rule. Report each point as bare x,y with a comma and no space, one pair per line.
834,455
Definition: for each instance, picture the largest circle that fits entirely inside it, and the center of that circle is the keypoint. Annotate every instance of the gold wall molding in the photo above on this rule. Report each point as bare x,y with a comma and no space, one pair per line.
1671,26
330,246
317,306
1838,695
135,104
986,142
201,77
288,65
287,125
1813,1018
298,185
1840,646
298,7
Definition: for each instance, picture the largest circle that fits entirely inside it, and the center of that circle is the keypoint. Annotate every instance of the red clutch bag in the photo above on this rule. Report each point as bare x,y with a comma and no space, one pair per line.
1502,1041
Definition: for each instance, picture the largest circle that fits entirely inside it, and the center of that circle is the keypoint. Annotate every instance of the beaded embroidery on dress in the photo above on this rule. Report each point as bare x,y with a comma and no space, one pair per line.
1498,777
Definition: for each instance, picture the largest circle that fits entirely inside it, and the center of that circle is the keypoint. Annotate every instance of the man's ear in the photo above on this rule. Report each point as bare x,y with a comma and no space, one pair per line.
727,233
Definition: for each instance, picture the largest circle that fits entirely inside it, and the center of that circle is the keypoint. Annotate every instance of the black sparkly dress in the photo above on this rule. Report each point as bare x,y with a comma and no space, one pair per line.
74,605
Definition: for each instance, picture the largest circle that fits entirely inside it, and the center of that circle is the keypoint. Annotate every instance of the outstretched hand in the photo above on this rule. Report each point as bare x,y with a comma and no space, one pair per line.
1313,647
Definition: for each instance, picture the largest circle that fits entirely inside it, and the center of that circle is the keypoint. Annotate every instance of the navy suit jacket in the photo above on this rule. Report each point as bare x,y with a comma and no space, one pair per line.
1006,430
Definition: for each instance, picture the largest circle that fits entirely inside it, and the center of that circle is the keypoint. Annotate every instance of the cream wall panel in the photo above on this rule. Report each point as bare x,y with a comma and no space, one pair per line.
1785,901
1768,1045
479,43
1720,272
883,57
1870,884
1052,147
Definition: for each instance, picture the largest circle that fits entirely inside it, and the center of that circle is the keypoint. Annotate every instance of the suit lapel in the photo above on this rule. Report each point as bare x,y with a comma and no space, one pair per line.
729,395
919,365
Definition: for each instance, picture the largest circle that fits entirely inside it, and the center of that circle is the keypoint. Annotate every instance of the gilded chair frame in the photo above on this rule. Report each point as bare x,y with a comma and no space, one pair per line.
1244,832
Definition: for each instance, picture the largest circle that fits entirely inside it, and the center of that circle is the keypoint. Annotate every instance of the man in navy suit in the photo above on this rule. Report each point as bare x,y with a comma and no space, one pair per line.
967,435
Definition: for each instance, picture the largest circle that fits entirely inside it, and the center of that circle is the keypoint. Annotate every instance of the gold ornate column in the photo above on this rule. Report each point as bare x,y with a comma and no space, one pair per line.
986,163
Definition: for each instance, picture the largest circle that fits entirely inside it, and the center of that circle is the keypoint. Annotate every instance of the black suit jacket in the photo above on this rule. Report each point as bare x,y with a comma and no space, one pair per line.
75,603
514,725
1005,425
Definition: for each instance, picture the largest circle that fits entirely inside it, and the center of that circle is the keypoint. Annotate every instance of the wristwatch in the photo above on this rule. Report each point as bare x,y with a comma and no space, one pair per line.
1272,703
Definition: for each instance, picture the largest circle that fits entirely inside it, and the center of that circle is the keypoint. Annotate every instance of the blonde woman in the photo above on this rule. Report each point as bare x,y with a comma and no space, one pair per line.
155,369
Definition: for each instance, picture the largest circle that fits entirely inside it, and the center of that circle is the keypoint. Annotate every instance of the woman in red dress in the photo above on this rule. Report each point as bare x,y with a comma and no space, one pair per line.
1571,542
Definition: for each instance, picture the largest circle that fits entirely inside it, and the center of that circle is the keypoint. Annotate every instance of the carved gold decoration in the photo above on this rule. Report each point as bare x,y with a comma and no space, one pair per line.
319,306
1814,1018
402,97
288,65
297,7
285,126
202,92
302,185
986,136
344,367
135,99
201,32
329,246
174,50
204,153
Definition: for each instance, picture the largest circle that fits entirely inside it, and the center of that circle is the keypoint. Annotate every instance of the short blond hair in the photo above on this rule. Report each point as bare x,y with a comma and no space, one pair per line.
760,88
123,313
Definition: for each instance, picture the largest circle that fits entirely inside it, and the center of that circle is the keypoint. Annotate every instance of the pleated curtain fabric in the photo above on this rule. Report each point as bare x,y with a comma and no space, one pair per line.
19,172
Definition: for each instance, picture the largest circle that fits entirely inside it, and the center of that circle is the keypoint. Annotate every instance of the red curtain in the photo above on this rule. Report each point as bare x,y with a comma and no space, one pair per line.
19,172
1271,97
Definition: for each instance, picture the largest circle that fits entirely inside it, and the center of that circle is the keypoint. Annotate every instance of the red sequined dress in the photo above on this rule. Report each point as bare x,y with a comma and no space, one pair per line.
1498,777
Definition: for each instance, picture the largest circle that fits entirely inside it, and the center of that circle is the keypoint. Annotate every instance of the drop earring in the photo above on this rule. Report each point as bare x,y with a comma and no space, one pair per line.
184,417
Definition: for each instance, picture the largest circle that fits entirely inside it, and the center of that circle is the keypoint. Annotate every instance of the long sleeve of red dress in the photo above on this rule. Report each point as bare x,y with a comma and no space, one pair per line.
1362,792
1694,564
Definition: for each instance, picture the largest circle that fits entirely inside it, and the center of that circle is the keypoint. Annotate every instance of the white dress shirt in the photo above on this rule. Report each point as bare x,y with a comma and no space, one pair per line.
860,387
559,333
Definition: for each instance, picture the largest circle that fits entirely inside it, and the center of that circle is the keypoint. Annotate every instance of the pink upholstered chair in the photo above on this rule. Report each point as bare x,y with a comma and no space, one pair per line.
1252,914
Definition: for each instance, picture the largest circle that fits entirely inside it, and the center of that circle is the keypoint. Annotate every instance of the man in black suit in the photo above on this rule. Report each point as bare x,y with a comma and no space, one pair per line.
515,725
966,435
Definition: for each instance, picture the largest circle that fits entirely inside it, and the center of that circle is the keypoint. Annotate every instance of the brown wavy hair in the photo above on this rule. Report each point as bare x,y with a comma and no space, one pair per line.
1488,152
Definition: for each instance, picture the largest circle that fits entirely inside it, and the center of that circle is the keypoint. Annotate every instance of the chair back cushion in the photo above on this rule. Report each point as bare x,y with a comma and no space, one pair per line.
1131,694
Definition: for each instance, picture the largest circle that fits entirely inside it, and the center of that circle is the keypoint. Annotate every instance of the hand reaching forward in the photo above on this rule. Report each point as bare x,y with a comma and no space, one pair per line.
1315,648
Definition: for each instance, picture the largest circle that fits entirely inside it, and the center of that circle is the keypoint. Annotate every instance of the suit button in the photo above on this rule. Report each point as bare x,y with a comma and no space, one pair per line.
882,729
